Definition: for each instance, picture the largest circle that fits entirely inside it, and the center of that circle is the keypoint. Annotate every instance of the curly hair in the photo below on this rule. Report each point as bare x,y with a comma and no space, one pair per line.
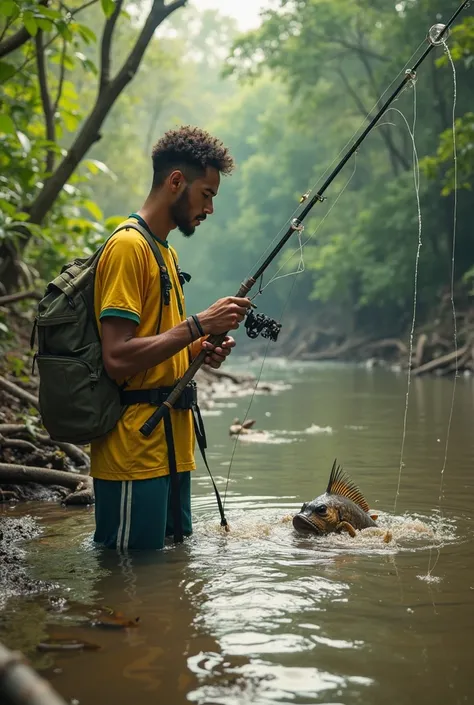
190,149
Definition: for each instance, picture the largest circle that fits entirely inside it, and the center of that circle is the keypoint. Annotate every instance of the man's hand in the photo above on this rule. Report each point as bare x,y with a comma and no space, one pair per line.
217,355
225,314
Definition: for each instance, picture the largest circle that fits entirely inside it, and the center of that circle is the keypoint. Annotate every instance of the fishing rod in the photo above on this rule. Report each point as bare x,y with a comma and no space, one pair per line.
261,324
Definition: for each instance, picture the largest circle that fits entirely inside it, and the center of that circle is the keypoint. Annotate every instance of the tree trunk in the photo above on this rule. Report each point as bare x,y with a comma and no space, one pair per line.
109,91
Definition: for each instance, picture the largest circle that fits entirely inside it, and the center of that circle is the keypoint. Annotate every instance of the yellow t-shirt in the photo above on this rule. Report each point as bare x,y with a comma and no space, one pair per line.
128,285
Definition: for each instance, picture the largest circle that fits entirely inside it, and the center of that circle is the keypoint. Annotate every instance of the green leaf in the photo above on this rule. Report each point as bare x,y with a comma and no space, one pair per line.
85,32
7,8
108,6
94,166
47,12
93,209
7,125
64,31
24,141
30,23
6,71
44,24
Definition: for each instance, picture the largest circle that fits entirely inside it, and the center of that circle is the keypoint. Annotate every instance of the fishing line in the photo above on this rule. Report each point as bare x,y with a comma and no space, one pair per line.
320,224
254,392
341,151
453,307
416,180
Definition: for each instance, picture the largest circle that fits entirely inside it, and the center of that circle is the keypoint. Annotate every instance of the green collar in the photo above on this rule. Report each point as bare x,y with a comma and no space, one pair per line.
145,225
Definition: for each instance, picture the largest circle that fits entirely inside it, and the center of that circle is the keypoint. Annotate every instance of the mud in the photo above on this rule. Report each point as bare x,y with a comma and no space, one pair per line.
15,577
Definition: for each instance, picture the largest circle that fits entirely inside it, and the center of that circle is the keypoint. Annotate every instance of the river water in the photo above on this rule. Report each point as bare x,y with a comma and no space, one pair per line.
261,615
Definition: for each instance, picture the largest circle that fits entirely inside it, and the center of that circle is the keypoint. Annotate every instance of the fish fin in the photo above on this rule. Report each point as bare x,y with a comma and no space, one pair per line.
374,516
340,483
345,526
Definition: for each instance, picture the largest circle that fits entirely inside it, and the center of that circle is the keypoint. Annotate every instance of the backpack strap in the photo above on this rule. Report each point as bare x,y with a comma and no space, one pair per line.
164,275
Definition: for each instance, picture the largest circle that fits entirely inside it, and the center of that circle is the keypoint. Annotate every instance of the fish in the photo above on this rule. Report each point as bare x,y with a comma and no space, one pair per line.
342,508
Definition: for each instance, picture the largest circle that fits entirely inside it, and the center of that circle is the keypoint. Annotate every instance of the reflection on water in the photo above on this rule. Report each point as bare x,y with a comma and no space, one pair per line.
263,615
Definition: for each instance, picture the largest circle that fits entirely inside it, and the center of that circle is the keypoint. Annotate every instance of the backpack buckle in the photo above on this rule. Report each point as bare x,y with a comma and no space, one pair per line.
166,284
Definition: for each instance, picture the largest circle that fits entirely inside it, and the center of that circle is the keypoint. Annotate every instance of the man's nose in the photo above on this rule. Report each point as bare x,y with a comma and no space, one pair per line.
209,209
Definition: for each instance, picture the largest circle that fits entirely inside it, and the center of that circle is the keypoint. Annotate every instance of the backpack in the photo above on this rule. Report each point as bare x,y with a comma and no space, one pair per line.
78,401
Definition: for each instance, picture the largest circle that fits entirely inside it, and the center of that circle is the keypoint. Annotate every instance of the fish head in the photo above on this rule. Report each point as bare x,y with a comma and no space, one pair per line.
321,516
342,502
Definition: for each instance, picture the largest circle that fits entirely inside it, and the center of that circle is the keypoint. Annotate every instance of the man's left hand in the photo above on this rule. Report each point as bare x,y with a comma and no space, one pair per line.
217,355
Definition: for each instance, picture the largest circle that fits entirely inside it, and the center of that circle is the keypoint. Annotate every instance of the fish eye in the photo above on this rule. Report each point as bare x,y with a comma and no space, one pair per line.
305,504
321,509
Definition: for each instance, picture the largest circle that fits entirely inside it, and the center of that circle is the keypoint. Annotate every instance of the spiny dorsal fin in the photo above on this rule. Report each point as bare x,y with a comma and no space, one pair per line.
340,483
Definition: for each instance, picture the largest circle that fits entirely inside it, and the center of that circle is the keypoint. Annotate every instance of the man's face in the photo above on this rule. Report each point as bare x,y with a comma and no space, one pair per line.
194,203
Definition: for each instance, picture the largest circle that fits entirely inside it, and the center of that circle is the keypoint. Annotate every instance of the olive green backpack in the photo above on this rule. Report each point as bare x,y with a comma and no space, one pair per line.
78,400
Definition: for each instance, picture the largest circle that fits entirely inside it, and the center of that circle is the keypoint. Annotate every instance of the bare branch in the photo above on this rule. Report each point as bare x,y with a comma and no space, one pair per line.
106,46
12,298
45,98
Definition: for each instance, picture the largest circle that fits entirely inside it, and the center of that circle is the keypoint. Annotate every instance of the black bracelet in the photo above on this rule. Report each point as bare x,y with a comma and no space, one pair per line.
198,325
190,330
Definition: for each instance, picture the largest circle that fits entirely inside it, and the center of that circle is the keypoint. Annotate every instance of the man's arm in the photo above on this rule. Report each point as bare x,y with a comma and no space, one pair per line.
125,354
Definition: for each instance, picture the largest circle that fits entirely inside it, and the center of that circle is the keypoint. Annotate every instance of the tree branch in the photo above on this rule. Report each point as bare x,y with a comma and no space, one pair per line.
62,71
12,298
362,50
27,61
106,44
15,41
45,99
89,132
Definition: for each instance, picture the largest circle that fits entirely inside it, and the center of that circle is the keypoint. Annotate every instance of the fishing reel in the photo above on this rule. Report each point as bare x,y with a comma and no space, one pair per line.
259,324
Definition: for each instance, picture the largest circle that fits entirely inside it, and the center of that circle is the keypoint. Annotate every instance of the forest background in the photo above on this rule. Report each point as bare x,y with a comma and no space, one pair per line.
87,88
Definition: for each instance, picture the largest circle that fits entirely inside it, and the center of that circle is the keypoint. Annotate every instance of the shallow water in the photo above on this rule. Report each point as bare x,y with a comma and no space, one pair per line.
261,615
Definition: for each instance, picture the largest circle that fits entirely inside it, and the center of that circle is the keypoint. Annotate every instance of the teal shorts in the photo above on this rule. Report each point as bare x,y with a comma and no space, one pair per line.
137,514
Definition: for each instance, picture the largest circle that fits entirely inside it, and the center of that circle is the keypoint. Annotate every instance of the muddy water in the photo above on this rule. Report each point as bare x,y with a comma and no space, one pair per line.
261,615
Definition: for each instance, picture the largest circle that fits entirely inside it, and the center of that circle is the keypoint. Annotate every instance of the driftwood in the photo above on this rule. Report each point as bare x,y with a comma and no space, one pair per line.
420,350
18,392
21,685
388,343
219,374
11,474
442,361
19,296
338,351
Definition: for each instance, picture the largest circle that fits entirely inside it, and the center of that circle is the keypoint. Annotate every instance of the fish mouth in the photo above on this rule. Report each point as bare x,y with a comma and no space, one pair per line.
305,526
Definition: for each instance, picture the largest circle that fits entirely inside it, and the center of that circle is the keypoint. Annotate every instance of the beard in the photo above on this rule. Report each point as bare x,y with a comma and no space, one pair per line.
180,213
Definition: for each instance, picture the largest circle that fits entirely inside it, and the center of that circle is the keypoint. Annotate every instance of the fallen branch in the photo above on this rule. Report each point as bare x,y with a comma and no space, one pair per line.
18,443
12,474
82,486
420,349
10,429
337,351
18,392
388,343
19,296
219,374
75,453
442,361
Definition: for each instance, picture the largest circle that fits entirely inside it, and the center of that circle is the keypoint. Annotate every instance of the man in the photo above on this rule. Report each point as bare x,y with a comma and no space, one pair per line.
131,472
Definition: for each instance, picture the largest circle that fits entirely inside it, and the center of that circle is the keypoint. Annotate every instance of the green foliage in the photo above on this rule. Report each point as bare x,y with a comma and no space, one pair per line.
286,98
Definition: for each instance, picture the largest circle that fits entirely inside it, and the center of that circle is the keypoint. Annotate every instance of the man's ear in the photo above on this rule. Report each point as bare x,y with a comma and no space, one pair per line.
177,181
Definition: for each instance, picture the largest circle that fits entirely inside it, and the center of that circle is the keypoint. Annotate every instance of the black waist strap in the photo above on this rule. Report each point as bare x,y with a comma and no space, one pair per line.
186,400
